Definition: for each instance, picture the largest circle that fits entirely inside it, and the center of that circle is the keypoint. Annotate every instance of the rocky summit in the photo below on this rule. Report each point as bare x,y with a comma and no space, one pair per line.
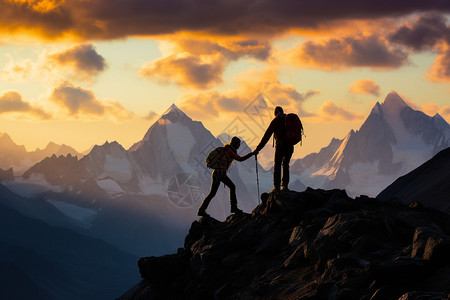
316,244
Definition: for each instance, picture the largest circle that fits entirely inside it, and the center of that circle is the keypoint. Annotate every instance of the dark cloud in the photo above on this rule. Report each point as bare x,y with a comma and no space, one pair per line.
428,32
78,101
105,19
423,34
84,59
371,51
16,16
12,102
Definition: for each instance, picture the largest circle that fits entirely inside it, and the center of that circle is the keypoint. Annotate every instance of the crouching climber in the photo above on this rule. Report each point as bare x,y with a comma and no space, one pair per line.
220,160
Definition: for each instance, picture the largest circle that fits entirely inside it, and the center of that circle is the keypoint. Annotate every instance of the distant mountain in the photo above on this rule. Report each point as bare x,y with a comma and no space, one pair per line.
11,155
393,140
53,149
17,157
428,184
173,146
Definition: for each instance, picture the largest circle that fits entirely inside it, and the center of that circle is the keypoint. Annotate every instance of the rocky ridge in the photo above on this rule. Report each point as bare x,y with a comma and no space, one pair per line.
316,244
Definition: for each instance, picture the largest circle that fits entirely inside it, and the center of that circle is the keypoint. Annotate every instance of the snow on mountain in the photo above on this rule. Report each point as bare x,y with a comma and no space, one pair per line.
392,141
331,168
167,168
176,145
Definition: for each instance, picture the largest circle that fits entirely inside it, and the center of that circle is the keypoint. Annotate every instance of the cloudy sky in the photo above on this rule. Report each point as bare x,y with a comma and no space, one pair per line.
81,72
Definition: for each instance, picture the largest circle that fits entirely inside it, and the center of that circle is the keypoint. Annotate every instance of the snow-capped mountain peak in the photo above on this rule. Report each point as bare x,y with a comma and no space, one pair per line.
393,140
173,114
393,104
391,108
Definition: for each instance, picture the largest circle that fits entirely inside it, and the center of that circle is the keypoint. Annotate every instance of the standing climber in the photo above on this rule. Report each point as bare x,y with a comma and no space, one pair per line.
287,131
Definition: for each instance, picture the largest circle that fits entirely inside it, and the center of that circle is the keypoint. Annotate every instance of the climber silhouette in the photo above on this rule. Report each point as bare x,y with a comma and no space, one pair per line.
283,149
220,175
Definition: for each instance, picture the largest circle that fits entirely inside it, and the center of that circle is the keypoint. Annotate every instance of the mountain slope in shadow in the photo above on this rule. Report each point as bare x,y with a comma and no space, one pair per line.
429,184
38,261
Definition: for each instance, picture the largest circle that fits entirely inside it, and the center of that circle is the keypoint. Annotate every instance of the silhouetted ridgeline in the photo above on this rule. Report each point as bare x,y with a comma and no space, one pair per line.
316,244
429,184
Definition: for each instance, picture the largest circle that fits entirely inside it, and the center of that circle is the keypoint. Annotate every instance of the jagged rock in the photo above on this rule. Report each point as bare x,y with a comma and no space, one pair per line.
311,245
421,236
67,170
437,250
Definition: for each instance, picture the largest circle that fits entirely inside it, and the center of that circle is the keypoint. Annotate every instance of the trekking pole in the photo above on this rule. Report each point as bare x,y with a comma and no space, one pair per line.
257,178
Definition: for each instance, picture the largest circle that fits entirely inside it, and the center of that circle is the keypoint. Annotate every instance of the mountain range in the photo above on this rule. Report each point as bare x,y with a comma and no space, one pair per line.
142,200
19,159
393,140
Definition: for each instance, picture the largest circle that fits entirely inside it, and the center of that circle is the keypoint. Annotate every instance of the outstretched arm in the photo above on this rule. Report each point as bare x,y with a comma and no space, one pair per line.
266,137
236,156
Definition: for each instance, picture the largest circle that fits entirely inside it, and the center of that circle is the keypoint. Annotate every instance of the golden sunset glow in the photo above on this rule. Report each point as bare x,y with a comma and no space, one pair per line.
82,72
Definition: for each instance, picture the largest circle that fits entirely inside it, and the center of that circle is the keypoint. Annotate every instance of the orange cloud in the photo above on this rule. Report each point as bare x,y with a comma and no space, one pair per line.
188,71
12,103
212,104
445,112
365,86
432,109
440,69
81,102
229,49
200,63
330,111
41,6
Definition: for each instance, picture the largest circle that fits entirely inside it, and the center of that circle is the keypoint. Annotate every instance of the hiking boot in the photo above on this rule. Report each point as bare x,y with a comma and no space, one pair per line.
284,189
203,213
275,190
235,210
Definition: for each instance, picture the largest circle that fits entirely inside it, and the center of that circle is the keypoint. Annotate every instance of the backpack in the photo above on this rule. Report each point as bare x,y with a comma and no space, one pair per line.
216,159
294,129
